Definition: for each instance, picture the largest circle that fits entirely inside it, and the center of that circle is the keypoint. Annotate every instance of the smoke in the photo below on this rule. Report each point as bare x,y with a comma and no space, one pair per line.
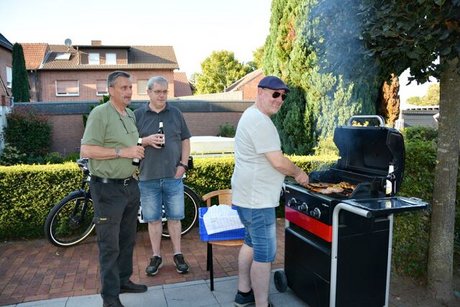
335,28
347,73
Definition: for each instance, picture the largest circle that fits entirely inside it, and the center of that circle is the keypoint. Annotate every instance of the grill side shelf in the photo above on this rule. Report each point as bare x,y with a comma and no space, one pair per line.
388,205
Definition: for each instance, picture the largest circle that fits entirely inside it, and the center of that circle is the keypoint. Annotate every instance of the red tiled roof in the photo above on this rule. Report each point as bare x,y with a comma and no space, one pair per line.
34,54
181,85
139,57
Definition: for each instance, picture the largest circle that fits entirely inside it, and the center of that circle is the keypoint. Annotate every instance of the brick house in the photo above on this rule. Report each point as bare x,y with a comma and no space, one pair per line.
6,72
247,85
6,78
79,72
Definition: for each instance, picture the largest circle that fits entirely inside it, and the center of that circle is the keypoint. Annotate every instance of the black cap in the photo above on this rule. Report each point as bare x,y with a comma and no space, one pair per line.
273,83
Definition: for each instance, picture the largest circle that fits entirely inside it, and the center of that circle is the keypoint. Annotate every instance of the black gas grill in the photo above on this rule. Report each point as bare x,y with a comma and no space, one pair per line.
338,245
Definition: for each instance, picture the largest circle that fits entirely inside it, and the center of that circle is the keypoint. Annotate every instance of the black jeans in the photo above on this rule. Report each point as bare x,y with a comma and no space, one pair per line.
116,206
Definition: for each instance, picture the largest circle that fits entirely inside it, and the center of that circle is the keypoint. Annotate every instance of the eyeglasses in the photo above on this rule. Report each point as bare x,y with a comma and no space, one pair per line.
276,94
123,122
158,92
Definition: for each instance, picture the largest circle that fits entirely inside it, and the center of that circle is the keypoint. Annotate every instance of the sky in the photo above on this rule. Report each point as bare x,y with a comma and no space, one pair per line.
194,28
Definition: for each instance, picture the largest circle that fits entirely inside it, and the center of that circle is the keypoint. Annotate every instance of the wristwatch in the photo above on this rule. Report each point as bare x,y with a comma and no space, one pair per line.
117,152
183,165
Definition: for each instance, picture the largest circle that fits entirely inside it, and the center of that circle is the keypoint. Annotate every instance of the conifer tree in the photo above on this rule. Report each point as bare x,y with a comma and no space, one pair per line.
20,82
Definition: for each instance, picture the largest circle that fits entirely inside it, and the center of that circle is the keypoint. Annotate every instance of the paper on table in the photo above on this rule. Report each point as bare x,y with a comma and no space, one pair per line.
221,218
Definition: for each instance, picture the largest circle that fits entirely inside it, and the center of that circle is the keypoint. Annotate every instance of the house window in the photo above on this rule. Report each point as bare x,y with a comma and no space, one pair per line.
101,88
142,87
63,56
93,58
110,58
67,88
9,77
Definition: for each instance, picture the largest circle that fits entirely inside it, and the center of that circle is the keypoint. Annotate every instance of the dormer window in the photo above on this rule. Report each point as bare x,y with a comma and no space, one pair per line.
62,56
111,59
93,58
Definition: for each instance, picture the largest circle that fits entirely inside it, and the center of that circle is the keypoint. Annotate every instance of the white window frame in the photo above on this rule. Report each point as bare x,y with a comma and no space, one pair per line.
111,58
93,58
9,77
101,93
68,88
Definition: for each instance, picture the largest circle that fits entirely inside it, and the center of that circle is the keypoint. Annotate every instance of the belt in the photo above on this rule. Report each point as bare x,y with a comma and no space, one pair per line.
125,181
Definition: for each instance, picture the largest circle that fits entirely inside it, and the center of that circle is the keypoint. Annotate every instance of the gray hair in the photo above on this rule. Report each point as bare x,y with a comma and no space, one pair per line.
113,76
156,80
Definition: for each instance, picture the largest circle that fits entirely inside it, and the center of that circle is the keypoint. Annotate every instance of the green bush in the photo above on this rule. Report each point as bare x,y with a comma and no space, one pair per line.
28,192
420,133
29,135
412,230
227,130
326,146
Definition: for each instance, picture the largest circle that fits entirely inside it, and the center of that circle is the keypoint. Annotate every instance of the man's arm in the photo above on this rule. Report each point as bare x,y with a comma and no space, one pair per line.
286,166
105,153
185,151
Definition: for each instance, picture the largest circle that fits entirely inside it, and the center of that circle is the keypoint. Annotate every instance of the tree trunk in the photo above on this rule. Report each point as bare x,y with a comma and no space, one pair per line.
441,249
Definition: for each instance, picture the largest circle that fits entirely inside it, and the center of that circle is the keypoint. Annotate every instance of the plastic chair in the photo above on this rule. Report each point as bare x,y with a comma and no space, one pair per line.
219,197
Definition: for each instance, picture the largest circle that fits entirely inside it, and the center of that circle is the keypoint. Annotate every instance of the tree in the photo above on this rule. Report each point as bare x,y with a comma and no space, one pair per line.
413,34
314,46
431,98
20,82
219,70
258,56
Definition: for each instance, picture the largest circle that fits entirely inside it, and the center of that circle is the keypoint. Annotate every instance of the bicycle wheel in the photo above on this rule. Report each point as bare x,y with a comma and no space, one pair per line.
191,205
70,221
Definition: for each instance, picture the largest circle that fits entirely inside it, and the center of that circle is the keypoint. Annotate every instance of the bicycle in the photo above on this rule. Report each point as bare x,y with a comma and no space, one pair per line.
71,220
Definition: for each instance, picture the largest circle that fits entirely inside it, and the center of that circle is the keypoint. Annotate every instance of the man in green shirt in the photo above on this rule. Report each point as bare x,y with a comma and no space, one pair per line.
110,143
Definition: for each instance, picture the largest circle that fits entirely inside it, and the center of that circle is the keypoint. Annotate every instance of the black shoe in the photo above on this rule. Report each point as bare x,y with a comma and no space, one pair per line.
130,287
155,264
242,301
181,266
109,301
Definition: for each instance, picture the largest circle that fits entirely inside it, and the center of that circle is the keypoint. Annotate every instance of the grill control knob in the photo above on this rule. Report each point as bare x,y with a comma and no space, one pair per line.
303,207
316,213
292,202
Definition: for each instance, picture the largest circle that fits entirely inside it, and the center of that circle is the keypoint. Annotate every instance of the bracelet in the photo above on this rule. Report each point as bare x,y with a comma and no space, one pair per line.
183,165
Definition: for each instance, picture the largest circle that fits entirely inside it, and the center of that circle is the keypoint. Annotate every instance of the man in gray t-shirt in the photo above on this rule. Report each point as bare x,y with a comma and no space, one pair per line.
162,169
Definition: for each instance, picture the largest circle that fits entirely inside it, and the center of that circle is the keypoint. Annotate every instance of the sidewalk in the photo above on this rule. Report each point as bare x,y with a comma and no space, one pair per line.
191,294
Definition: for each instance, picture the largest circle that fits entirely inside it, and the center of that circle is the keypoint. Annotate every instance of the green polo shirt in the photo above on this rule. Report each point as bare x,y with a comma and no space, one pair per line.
107,128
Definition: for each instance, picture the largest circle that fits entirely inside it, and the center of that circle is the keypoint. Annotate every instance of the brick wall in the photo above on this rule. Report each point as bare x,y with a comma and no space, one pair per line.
203,119
66,133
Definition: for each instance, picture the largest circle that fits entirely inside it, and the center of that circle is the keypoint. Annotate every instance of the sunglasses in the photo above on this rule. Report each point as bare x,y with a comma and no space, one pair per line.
277,94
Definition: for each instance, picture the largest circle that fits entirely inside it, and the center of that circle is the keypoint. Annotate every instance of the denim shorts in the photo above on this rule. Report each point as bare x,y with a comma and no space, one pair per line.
260,232
162,194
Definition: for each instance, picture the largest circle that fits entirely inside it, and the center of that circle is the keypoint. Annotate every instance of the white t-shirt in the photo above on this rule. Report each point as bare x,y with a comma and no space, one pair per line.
255,182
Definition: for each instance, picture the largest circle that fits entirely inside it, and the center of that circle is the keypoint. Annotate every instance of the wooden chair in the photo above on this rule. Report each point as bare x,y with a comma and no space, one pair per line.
219,197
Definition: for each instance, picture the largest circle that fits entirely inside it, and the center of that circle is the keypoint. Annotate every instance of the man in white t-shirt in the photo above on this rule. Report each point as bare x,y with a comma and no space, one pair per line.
260,169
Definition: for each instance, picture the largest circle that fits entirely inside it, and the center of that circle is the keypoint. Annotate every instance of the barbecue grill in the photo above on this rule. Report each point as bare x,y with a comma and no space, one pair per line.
338,231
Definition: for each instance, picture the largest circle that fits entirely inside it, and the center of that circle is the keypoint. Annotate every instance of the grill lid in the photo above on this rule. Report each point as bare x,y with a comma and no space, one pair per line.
369,150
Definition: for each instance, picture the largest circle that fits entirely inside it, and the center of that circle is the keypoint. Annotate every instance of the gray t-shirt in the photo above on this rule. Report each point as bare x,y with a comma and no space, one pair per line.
161,163
255,182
